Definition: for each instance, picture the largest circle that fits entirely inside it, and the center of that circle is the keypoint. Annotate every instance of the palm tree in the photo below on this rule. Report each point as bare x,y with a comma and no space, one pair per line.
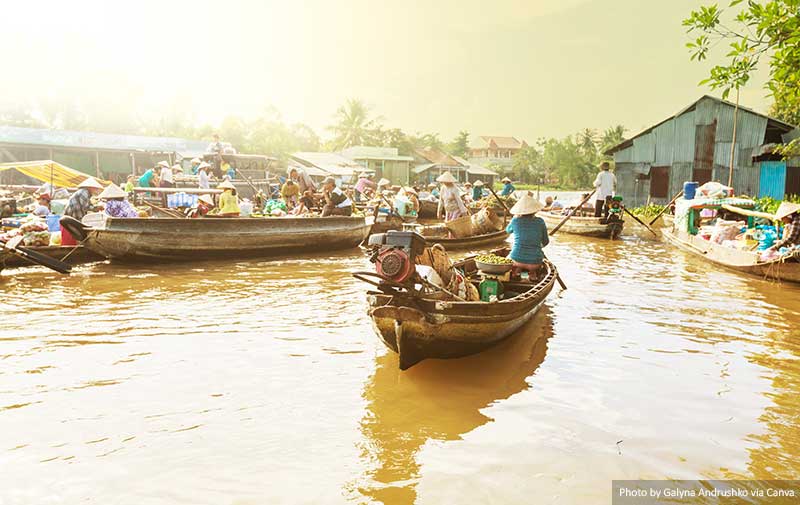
353,125
611,137
587,141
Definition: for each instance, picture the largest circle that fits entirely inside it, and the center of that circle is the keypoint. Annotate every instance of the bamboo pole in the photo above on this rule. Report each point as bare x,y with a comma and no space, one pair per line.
666,207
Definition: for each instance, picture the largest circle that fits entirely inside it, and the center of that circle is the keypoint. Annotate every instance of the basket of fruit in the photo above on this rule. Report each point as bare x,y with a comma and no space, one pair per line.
493,264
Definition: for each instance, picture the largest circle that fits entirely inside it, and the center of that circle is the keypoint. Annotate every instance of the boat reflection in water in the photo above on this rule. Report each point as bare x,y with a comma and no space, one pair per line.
438,400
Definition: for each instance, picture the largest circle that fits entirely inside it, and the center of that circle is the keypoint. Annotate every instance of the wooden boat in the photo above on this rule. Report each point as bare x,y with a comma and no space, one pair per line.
62,253
203,238
423,328
466,242
785,268
586,226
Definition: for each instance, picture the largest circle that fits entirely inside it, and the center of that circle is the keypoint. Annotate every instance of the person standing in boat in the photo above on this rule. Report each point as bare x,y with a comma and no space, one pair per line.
203,180
451,206
605,183
789,214
530,236
477,191
167,179
508,187
336,202
365,186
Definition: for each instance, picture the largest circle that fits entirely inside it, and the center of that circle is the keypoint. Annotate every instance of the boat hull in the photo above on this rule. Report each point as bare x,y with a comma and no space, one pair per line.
742,261
427,209
586,226
427,329
190,239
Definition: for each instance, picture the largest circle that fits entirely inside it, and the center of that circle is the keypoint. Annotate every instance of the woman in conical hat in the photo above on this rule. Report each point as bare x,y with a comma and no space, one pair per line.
228,201
789,214
530,236
451,206
116,204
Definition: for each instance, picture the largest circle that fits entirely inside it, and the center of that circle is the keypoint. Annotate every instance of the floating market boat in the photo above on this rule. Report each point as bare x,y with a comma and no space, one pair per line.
586,226
685,234
79,256
419,328
204,238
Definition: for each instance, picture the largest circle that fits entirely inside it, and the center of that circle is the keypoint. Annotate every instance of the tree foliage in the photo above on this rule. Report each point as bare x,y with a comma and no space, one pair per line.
460,145
354,126
769,29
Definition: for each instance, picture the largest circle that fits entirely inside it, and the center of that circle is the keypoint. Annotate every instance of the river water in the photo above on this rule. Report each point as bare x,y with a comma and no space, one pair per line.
262,382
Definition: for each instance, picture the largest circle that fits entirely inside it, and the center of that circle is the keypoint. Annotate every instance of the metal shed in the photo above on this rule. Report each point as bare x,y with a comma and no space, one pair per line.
695,144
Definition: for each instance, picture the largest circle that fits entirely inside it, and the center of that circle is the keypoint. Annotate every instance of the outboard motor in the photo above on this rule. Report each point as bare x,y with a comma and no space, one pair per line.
394,254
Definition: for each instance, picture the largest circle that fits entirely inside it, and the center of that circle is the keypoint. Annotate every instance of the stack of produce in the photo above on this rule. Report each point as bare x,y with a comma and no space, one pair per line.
33,230
494,259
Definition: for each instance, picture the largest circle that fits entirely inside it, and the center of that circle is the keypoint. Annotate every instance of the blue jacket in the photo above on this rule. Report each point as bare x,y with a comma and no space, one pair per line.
530,235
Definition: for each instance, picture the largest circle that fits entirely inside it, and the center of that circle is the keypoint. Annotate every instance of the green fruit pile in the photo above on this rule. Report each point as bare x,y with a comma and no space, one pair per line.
493,259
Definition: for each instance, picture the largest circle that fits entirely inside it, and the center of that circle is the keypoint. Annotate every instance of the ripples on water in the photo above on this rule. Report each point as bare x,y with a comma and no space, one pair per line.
262,382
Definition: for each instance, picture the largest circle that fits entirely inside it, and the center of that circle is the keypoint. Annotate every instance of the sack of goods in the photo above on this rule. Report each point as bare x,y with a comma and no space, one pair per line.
726,230
461,227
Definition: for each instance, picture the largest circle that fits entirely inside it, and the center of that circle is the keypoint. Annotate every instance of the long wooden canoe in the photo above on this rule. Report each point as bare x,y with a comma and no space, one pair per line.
79,256
466,242
786,268
190,239
586,226
423,328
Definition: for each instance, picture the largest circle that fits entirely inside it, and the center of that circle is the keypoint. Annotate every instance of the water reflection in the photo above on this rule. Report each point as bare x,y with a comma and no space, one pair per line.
438,400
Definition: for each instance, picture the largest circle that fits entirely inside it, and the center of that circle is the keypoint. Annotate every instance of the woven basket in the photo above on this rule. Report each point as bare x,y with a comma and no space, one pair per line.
461,227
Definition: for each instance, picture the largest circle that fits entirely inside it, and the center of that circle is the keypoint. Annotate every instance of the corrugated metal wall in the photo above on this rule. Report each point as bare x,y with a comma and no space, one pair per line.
664,143
644,150
678,174
683,150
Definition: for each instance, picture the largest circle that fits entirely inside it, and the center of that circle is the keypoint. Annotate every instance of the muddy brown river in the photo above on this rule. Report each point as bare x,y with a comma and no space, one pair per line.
262,382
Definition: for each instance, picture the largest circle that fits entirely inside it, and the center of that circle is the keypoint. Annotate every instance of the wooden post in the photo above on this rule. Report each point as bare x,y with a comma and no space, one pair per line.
733,140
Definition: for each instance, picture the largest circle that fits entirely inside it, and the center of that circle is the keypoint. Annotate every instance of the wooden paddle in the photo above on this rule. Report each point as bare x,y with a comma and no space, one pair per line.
640,221
666,207
572,212
502,203
35,257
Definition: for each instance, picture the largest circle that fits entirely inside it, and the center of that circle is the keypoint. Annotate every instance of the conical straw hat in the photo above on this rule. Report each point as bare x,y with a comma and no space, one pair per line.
384,182
112,191
446,177
90,182
526,205
226,185
786,209
478,183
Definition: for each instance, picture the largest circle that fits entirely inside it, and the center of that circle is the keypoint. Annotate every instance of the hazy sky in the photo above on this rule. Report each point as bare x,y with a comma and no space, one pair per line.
506,67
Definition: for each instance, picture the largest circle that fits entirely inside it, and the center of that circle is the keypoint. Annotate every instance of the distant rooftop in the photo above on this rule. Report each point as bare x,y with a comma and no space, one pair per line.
93,140
332,163
493,142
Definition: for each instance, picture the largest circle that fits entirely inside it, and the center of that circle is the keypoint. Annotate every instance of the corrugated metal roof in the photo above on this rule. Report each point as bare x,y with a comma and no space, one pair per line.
93,140
332,163
374,153
421,168
705,109
644,149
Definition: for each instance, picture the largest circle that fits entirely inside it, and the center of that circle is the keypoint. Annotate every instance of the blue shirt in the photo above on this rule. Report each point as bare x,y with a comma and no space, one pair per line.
530,235
507,189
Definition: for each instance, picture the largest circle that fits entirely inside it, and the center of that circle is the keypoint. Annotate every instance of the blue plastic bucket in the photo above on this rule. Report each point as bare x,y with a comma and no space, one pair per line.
690,190
53,223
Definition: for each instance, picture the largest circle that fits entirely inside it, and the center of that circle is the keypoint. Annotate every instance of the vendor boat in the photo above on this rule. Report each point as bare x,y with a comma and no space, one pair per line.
205,238
586,226
420,326
434,235
684,235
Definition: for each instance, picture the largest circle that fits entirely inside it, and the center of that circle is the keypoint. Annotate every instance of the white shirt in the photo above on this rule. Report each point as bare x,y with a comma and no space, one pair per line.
166,174
605,182
202,180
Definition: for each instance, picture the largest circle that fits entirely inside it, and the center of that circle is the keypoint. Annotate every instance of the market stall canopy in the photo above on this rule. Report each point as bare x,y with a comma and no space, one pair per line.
50,171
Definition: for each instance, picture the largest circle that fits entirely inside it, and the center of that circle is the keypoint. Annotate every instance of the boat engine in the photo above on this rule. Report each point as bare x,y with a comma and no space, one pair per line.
394,254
